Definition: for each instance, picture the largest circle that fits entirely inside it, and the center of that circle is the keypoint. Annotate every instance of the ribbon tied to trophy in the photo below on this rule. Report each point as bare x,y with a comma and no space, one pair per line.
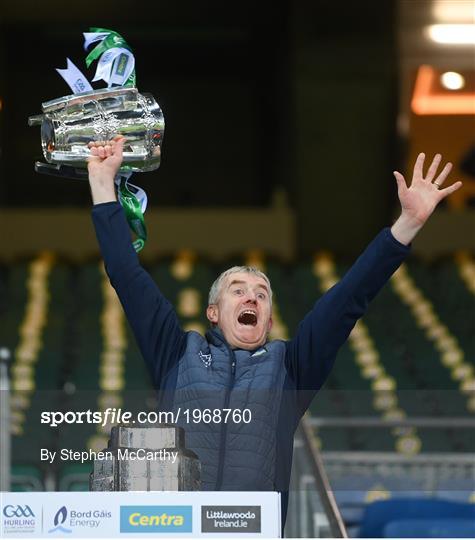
70,123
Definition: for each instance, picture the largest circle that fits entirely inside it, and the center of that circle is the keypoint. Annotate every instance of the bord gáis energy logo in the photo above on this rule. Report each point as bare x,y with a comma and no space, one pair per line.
78,519
60,517
156,519
18,518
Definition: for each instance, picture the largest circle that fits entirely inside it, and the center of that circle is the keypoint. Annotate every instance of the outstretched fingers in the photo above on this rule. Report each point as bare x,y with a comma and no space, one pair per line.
401,182
433,168
432,171
443,175
418,166
450,189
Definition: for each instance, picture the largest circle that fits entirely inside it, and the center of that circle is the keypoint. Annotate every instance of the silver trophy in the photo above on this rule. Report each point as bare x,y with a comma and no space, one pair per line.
69,123
166,465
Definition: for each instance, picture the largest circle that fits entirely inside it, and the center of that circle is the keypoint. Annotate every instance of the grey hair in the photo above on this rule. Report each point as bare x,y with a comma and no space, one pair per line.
215,290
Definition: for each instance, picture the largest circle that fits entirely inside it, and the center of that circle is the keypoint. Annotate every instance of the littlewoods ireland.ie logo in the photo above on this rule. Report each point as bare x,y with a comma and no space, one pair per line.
231,519
156,519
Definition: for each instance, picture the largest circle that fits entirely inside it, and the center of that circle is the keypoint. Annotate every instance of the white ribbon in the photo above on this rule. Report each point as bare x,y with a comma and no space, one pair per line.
115,65
92,37
75,79
109,64
123,66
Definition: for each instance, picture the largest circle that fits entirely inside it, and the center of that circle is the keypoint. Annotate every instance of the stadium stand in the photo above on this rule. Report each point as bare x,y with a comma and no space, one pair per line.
411,358
418,518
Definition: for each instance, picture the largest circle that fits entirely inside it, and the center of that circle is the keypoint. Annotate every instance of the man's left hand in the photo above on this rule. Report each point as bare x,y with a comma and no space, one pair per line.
420,199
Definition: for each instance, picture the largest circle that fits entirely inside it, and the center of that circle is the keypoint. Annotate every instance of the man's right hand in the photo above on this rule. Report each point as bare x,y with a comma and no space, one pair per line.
103,165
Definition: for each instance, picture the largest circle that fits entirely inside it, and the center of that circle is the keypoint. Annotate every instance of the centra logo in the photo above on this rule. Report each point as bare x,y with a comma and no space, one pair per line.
164,519
156,519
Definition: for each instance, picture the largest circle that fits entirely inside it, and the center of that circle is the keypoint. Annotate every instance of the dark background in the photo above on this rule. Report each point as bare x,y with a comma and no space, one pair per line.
258,97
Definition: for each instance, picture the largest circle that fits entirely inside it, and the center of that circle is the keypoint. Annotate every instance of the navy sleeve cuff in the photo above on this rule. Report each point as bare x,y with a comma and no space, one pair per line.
109,204
402,247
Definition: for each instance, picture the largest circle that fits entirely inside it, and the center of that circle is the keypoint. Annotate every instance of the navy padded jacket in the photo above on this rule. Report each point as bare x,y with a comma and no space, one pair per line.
275,382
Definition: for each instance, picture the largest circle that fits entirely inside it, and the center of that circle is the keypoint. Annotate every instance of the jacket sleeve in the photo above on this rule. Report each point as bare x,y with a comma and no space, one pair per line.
151,317
311,354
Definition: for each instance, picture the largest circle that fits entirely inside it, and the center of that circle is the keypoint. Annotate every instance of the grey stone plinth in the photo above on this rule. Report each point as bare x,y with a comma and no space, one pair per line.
146,459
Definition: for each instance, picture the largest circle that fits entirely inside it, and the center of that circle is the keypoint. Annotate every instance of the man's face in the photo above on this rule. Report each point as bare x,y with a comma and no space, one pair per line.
243,312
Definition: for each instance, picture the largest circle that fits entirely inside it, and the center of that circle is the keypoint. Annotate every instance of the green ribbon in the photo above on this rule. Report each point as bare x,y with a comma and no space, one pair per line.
112,40
133,213
131,204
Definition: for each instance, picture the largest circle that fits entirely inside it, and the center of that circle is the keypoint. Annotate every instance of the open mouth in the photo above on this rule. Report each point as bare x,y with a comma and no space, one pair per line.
248,318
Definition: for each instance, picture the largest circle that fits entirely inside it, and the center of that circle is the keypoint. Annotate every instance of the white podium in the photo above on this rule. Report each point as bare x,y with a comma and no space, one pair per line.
206,514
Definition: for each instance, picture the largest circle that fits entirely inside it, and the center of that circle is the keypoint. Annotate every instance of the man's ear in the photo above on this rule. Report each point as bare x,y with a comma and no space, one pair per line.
212,313
269,325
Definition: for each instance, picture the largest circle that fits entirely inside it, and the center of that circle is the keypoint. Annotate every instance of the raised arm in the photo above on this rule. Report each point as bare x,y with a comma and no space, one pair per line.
311,354
151,316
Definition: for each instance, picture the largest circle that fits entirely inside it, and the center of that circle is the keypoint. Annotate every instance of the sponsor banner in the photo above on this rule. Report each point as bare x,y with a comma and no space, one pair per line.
156,519
234,519
138,514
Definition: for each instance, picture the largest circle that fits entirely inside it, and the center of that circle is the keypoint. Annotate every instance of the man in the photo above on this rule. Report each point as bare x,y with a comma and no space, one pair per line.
235,366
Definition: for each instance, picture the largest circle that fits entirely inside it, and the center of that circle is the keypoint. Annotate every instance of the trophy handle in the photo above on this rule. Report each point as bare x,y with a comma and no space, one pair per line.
36,120
64,171
139,155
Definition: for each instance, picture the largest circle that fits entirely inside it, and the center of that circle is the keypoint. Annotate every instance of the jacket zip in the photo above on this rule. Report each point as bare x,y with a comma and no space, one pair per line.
224,426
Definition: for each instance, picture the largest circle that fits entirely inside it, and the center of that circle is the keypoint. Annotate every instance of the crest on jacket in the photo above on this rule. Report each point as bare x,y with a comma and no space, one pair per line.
205,358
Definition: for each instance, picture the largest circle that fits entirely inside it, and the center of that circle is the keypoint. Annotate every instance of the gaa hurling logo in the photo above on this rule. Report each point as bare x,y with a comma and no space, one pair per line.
18,511
60,517
19,519
79,85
